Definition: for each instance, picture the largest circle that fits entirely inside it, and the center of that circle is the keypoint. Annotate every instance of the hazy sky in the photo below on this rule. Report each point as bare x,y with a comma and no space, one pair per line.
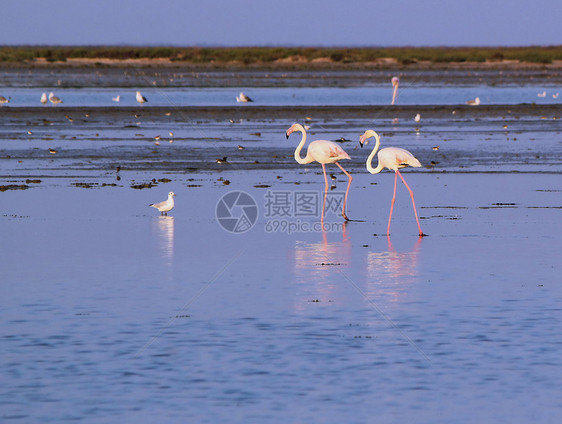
282,22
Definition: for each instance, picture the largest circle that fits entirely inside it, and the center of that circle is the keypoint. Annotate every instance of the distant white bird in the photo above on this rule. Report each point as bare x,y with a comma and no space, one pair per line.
54,99
417,118
44,98
243,98
165,206
395,82
474,102
116,99
140,98
3,100
543,94
555,96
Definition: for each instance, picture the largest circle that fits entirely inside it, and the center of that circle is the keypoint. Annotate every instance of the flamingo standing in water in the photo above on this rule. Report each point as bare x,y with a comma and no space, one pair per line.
395,82
392,158
323,152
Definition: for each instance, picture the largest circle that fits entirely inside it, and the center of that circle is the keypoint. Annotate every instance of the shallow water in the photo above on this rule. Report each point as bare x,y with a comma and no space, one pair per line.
409,94
109,312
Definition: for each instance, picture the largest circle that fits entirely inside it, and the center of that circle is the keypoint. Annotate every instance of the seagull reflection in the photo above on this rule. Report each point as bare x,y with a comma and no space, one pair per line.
165,232
390,272
316,267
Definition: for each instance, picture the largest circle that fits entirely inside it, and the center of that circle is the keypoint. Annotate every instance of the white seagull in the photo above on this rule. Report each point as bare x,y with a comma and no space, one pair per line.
474,102
242,98
543,94
417,118
3,100
116,99
165,206
140,98
54,99
44,98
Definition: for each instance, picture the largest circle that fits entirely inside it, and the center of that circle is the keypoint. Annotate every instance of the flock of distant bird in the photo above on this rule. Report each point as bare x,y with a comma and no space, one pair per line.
243,98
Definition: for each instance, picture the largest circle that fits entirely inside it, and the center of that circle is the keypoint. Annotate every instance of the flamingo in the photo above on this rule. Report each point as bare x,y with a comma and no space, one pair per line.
165,206
395,82
140,98
323,152
392,158
54,99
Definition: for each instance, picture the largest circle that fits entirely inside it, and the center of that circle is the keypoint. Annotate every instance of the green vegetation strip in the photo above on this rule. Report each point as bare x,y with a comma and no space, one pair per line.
267,55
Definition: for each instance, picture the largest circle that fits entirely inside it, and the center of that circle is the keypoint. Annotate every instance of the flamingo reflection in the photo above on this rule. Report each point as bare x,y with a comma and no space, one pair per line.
389,273
314,265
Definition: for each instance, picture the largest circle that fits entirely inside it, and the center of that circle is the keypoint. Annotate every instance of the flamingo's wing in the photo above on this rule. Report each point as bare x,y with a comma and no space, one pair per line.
337,152
405,158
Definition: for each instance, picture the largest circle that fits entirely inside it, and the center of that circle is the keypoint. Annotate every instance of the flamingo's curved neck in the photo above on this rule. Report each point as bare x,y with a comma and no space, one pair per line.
372,155
306,159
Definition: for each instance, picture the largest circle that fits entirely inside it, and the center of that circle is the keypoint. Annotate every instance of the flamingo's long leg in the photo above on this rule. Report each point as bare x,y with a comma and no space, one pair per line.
392,203
346,191
325,193
413,203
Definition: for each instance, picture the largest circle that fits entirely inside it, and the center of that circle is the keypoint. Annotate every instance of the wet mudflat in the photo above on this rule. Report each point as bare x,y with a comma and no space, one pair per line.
111,312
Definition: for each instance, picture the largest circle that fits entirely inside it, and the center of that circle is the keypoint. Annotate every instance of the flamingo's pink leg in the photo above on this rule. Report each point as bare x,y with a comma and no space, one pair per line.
325,193
346,191
413,203
392,203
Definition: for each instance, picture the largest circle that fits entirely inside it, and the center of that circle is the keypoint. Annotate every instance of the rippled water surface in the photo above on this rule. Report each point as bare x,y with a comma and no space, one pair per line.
112,313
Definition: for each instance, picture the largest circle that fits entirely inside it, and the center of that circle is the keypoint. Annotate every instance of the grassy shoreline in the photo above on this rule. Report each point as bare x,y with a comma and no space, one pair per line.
275,56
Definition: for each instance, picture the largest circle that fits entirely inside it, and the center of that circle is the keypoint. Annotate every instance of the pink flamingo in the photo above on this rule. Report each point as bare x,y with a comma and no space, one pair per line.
392,158
395,81
323,152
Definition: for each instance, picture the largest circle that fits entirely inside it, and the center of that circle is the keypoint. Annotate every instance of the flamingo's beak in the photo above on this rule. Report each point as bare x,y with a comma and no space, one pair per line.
362,140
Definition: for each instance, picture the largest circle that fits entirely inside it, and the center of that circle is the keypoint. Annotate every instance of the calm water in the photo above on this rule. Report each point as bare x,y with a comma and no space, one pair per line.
111,313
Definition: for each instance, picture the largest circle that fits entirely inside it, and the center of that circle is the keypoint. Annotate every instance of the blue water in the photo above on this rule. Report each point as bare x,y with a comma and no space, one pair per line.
291,96
111,313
